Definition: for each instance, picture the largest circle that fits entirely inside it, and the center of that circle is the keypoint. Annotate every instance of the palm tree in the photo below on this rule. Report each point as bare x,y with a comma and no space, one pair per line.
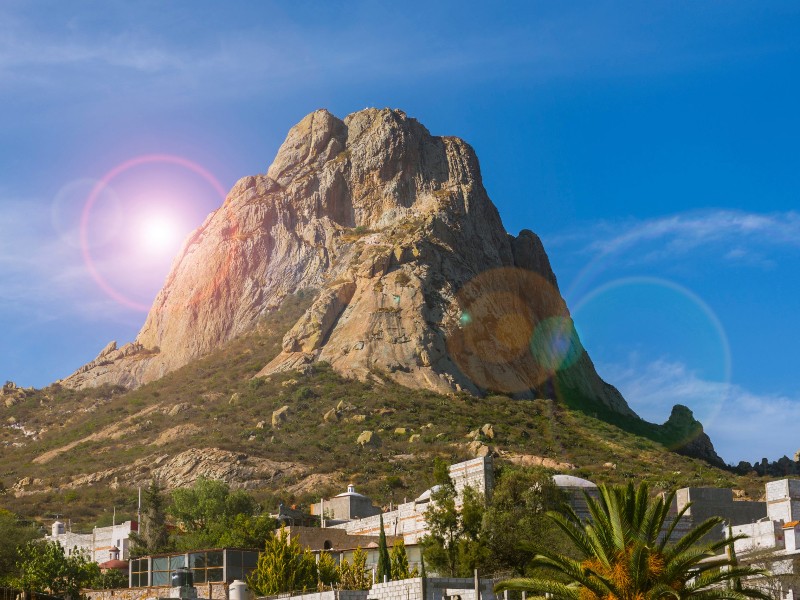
626,553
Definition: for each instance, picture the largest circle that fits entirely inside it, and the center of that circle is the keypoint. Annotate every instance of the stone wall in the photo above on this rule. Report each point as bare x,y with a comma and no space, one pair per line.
211,591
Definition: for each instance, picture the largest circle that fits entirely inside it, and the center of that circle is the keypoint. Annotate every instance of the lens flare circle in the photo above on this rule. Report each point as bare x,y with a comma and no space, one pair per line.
513,331
67,207
102,186
697,318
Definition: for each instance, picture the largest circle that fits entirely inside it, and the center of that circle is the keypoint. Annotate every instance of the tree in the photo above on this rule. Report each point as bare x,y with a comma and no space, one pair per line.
384,570
283,566
626,553
354,576
153,536
453,547
399,561
208,501
212,515
44,567
515,526
14,537
327,570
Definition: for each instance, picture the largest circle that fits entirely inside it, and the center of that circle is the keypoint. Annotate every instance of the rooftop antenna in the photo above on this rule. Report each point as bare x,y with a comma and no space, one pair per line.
139,510
114,518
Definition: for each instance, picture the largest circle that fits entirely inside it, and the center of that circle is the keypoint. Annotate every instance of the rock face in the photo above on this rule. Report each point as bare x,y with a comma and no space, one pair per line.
417,279
686,436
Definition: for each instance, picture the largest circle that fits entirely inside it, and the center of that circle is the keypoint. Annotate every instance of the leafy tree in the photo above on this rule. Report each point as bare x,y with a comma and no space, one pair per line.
625,553
212,515
153,535
453,547
384,570
44,567
399,561
109,579
283,566
515,527
354,576
328,570
207,502
14,537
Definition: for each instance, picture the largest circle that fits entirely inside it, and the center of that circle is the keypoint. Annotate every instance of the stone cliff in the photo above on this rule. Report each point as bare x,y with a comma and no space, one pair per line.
416,277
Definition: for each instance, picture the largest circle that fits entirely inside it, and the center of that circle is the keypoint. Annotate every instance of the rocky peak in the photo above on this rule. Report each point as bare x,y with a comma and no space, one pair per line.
417,278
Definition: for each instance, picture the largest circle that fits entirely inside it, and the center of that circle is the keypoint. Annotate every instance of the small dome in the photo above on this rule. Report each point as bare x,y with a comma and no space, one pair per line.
426,495
351,491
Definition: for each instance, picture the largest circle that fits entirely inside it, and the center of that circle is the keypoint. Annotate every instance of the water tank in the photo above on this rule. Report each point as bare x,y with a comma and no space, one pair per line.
58,528
238,590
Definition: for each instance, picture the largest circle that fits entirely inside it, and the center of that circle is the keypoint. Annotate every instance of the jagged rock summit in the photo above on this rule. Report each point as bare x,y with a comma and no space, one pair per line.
416,277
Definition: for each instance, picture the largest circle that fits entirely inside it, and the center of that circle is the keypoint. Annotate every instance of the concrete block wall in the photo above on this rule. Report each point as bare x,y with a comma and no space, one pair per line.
762,535
405,589
477,473
436,588
783,500
408,519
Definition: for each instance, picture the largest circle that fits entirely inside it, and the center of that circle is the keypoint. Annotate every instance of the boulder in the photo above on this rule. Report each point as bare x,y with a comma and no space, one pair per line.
331,416
488,431
279,416
368,438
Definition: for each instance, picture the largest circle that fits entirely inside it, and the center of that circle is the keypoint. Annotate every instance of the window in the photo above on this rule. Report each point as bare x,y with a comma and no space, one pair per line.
139,573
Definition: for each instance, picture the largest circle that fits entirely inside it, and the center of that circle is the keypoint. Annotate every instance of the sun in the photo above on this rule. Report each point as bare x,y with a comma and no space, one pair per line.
157,234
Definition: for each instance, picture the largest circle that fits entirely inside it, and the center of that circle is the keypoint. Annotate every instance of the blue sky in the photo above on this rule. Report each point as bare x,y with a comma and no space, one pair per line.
653,147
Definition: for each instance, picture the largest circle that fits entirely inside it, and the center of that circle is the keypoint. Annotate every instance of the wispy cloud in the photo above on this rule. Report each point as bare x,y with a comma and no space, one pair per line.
44,278
735,418
736,236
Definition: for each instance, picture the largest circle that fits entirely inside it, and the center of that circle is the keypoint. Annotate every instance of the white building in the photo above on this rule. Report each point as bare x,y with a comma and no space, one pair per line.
101,545
773,542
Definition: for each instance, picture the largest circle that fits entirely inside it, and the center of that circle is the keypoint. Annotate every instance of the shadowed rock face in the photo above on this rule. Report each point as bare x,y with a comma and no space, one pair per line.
418,279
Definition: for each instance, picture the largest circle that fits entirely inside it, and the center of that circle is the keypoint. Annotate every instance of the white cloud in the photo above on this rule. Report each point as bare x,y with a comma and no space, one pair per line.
742,424
736,236
44,278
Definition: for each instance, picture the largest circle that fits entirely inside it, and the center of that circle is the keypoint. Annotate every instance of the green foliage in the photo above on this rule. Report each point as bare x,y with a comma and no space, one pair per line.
112,579
453,547
399,560
541,427
14,536
623,554
283,566
44,567
153,537
354,576
328,570
212,516
515,527
206,502
384,569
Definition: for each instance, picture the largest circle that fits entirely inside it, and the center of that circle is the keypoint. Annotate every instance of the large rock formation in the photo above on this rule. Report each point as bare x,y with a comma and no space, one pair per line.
417,278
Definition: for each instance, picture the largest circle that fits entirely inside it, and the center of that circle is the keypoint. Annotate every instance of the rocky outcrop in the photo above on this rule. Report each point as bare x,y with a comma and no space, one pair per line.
684,434
419,281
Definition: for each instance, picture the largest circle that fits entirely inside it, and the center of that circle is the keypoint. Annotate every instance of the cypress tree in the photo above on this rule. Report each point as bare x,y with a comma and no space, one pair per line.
384,563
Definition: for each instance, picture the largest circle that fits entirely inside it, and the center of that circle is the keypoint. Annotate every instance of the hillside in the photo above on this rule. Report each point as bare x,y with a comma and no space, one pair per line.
80,452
